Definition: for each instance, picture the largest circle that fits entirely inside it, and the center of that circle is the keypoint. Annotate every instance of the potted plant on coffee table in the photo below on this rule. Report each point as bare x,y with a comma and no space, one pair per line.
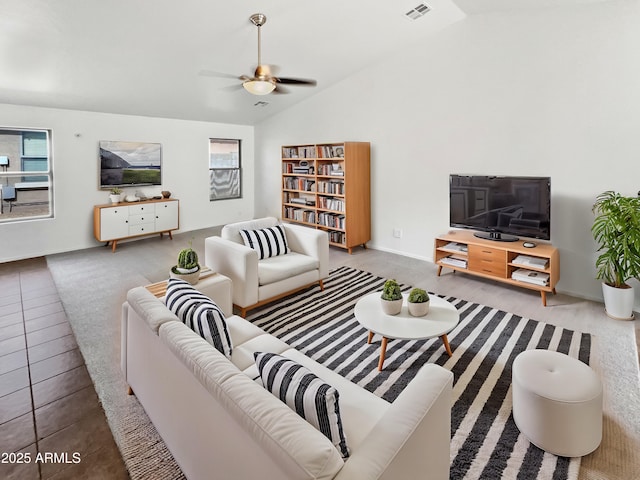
188,268
418,302
391,298
616,229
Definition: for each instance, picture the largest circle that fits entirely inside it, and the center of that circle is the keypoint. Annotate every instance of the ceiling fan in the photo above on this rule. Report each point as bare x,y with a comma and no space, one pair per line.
263,81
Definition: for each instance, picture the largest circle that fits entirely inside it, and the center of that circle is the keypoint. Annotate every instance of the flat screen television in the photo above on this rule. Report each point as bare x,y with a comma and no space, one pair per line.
501,207
129,164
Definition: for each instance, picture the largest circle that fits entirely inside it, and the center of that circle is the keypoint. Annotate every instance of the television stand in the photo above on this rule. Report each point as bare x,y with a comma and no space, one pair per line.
496,236
536,268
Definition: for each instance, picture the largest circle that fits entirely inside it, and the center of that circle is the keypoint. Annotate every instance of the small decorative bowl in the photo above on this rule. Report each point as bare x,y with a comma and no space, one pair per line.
166,193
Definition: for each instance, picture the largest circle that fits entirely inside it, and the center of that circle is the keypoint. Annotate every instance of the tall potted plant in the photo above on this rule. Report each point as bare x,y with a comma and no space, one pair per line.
616,229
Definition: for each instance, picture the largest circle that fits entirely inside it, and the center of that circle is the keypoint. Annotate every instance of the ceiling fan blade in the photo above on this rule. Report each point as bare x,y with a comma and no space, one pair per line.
280,90
232,88
296,81
211,73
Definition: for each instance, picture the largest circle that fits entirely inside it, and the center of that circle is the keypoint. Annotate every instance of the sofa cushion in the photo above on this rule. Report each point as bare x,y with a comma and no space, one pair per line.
274,269
310,397
268,242
199,313
231,231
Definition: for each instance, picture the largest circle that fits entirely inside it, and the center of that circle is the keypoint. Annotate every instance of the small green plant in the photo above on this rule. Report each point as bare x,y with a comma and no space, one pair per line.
418,295
187,258
116,191
391,290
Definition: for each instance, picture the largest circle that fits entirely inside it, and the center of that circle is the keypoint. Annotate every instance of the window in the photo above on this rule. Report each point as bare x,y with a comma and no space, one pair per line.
225,174
26,175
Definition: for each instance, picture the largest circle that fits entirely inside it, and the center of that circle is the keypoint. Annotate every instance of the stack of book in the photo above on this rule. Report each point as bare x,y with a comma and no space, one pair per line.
528,261
453,261
456,247
529,276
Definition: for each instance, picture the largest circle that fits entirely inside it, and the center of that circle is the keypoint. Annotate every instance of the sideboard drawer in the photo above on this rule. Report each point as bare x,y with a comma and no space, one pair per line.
141,229
139,219
148,208
487,260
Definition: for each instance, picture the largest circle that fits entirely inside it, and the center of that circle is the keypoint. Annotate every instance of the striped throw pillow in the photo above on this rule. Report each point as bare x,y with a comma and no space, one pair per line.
311,398
268,242
199,313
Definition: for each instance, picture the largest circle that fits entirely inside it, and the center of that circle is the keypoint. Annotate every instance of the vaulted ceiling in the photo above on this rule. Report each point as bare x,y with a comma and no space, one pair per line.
145,57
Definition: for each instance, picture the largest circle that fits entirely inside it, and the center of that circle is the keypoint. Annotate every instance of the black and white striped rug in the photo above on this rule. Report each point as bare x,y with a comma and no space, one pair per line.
485,442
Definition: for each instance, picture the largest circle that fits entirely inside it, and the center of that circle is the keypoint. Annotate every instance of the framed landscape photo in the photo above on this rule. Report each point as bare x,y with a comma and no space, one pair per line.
129,163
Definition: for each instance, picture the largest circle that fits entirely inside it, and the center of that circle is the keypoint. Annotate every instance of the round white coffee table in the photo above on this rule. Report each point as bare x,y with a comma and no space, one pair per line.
441,319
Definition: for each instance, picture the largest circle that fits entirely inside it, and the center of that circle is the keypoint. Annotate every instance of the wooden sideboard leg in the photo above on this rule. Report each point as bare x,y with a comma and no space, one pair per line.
439,270
170,235
544,298
114,243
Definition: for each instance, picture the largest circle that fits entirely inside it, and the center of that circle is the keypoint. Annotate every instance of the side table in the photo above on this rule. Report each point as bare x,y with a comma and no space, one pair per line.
214,285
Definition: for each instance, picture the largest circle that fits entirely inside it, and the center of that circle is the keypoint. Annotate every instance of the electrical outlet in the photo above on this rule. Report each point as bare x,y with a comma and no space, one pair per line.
397,232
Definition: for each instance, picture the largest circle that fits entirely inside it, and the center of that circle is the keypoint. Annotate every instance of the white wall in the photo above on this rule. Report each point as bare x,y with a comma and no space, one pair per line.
550,92
185,153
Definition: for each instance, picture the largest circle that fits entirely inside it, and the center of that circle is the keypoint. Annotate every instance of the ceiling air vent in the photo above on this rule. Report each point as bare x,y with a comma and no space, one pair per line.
418,11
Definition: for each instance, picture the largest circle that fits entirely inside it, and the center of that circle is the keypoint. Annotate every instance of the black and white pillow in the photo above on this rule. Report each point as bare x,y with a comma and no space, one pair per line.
199,313
268,242
310,397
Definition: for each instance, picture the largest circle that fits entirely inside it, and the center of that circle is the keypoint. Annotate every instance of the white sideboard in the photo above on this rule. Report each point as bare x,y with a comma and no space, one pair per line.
113,222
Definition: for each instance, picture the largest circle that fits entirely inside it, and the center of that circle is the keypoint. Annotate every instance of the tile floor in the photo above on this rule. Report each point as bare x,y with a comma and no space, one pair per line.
50,417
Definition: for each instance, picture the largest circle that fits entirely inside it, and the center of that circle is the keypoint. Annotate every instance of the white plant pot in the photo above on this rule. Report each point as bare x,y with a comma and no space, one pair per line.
618,302
391,307
114,198
192,278
418,309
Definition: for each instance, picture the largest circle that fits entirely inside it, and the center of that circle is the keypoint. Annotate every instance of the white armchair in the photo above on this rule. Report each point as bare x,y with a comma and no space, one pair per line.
255,281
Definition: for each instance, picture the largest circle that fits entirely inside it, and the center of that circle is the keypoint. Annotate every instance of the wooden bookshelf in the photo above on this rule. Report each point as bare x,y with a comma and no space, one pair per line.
327,186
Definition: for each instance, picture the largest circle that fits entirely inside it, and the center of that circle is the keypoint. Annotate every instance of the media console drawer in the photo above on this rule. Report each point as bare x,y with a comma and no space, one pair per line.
489,261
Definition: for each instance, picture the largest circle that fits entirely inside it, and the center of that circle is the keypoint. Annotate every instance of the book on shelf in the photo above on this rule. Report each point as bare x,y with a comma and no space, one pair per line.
529,276
332,151
456,247
331,203
302,201
529,261
453,261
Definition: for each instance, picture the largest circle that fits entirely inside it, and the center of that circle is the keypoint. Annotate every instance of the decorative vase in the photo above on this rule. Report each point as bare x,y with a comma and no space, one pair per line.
391,307
114,198
165,194
418,309
192,277
618,302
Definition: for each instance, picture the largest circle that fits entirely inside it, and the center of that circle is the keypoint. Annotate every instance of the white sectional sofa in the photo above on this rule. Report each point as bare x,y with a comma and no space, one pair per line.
220,423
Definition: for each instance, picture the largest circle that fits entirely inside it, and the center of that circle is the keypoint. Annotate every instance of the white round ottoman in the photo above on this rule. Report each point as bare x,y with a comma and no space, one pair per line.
557,402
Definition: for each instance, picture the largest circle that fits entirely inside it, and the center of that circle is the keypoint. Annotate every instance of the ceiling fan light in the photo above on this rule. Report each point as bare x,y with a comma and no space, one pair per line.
259,87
